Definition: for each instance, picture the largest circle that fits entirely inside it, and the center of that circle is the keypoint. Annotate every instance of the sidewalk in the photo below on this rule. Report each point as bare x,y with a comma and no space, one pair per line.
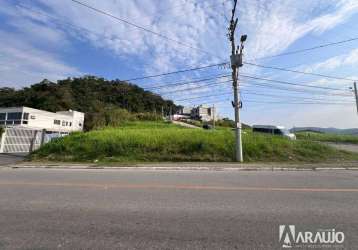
195,166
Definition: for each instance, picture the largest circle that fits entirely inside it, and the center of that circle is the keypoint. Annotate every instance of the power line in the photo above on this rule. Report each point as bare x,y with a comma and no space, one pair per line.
300,72
198,97
286,96
303,103
309,49
290,83
197,87
255,93
198,68
77,27
186,82
271,86
271,102
182,71
159,84
176,72
140,27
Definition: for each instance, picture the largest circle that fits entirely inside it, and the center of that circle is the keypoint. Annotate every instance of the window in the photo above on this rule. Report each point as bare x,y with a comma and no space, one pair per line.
63,123
14,116
278,132
25,116
70,124
2,116
2,122
80,124
57,122
25,122
263,130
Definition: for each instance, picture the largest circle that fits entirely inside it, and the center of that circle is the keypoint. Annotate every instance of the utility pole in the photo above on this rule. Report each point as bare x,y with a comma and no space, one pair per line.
236,62
214,116
356,94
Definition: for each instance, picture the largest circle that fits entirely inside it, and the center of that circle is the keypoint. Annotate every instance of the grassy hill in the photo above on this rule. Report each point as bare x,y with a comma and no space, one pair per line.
159,141
328,137
100,99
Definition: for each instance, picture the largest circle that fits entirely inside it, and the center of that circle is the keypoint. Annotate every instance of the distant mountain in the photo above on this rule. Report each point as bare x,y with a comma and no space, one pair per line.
351,131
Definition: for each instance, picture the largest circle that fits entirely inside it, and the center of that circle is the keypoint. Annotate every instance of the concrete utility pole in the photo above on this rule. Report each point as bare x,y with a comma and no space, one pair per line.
214,116
236,62
356,94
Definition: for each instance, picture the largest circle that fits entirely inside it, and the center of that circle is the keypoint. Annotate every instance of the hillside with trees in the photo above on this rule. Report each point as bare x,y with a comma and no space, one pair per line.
104,102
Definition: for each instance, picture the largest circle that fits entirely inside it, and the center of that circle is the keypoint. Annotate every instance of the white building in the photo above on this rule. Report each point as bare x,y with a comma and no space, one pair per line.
200,113
64,121
204,113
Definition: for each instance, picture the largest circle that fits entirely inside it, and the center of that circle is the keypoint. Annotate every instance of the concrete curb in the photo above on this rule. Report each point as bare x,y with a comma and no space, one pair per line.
319,167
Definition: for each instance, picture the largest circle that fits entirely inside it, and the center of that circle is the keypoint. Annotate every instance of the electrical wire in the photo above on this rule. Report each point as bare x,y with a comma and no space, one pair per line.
289,83
303,91
299,72
141,27
185,82
285,96
194,88
176,72
309,49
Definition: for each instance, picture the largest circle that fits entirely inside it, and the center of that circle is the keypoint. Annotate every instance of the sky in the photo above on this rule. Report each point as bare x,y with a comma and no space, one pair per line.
55,39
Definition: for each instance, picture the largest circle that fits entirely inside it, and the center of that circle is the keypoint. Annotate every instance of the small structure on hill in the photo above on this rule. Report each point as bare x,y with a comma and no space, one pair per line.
199,113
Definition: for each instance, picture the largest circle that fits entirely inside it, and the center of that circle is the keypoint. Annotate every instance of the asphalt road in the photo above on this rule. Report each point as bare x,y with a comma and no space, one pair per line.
131,209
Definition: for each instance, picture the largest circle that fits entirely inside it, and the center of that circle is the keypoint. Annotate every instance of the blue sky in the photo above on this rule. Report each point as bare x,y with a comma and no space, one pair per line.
56,39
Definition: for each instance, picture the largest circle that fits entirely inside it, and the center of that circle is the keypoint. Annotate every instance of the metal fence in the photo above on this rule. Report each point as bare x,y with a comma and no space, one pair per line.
23,140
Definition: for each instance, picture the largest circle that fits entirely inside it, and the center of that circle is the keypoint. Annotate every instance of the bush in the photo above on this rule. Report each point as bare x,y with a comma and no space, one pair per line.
148,117
116,117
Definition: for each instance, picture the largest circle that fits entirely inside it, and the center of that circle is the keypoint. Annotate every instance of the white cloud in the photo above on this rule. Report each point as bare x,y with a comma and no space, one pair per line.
349,59
22,64
275,25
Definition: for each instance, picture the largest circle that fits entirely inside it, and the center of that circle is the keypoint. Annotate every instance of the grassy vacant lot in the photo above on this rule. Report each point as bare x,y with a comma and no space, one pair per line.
159,141
328,137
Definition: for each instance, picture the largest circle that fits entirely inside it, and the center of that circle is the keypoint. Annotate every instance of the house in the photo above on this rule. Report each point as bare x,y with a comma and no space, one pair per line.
201,113
63,121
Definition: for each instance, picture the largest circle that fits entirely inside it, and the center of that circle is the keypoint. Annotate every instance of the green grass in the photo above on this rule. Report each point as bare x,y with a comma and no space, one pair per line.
328,137
159,142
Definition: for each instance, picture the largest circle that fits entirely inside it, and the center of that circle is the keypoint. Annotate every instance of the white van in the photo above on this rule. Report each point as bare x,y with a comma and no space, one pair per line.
274,130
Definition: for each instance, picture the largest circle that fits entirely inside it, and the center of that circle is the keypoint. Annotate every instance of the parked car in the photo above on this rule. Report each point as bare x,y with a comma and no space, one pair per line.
207,126
274,130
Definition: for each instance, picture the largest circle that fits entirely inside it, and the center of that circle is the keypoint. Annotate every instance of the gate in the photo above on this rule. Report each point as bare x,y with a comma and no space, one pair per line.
22,140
